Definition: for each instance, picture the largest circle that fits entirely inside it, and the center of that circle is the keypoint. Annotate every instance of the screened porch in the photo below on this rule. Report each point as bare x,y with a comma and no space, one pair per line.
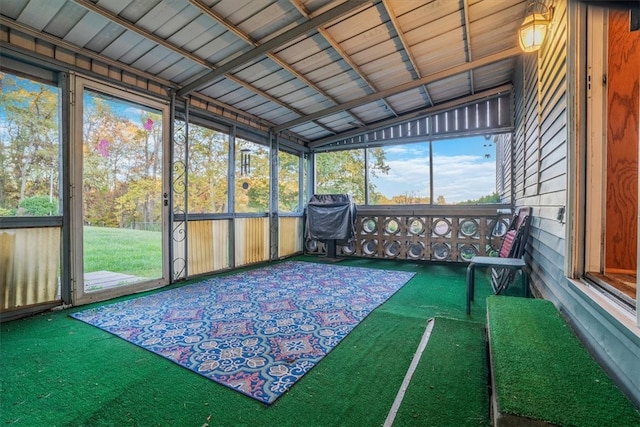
145,144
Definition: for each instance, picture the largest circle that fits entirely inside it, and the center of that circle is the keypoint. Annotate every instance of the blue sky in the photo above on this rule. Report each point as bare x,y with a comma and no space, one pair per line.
461,170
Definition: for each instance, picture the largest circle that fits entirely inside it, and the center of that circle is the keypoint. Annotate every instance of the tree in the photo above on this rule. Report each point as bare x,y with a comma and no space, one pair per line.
121,164
208,169
288,182
489,198
408,199
29,147
343,172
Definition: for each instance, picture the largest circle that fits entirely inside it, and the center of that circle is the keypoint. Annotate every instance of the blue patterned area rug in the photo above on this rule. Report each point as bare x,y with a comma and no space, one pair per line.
258,331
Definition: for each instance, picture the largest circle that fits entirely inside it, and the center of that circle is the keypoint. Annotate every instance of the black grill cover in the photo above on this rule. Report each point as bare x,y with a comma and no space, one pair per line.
331,216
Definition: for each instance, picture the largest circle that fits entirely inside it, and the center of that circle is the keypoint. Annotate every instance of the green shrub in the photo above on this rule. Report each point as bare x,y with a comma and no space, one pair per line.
38,206
7,211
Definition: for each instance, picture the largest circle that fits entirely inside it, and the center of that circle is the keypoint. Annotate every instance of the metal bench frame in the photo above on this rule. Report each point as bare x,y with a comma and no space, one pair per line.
504,267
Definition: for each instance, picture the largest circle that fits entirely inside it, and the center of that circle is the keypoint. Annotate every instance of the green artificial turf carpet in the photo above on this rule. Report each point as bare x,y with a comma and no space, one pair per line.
452,374
56,371
543,372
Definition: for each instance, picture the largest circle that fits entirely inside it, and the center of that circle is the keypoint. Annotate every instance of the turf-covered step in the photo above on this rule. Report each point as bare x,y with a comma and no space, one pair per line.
542,374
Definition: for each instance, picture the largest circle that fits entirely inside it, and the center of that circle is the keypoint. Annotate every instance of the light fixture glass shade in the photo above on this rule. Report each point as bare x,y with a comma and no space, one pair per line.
532,32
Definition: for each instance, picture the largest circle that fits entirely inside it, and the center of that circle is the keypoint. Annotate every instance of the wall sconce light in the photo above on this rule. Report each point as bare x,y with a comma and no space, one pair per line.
245,161
533,29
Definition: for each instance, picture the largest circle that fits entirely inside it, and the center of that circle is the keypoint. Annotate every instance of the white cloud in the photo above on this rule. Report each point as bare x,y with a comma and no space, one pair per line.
457,178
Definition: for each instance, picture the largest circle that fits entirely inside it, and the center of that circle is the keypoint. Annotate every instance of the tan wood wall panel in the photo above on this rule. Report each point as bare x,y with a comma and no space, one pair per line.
220,244
208,246
290,239
252,240
30,265
200,247
622,143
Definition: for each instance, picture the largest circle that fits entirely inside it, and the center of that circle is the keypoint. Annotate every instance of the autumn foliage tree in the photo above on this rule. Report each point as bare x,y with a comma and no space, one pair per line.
29,142
343,172
208,170
122,164
288,182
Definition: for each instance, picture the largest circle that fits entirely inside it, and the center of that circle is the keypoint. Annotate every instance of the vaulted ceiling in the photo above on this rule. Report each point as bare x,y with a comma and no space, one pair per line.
315,69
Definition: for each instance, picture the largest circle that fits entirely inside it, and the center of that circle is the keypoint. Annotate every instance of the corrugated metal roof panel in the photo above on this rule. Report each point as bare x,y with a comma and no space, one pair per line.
153,56
134,10
120,44
372,112
278,115
303,53
450,88
430,19
264,22
307,100
220,49
344,87
234,93
387,72
108,34
257,70
260,107
75,24
493,75
196,34
345,71
316,132
13,9
38,13
324,72
486,36
361,30
338,122
180,71
83,30
441,52
137,50
115,6
408,101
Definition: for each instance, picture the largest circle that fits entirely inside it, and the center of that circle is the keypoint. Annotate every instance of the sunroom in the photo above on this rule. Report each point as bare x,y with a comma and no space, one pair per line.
150,143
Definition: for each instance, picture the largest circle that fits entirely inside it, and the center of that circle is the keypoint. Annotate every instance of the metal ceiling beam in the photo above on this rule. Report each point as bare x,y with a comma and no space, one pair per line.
225,107
301,9
292,34
355,67
118,65
462,68
218,18
242,35
55,41
405,44
273,99
344,55
467,39
162,42
147,35
415,114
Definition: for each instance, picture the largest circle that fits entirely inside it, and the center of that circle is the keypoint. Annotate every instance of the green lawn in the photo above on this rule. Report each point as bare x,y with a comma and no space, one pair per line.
120,250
